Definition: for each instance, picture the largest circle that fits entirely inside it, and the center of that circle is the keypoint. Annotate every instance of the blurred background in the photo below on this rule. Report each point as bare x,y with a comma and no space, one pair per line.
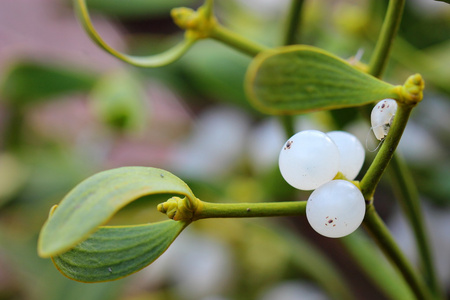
69,110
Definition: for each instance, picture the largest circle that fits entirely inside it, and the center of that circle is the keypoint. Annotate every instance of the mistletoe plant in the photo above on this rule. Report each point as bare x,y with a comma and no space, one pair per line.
281,81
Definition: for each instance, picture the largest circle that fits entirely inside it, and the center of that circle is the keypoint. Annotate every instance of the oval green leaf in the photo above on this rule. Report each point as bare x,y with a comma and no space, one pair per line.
114,252
295,79
95,200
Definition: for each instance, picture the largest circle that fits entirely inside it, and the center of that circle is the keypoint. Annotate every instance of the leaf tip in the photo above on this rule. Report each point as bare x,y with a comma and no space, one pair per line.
46,247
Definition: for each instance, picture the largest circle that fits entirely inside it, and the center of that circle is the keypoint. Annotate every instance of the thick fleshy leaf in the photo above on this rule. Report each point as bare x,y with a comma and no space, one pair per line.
300,78
94,201
114,252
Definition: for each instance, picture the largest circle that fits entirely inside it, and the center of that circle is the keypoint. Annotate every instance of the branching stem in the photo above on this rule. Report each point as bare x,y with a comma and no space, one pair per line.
402,181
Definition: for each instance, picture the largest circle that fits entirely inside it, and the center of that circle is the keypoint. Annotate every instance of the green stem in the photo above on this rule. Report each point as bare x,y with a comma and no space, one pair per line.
388,32
380,233
294,17
406,191
232,39
407,194
249,210
373,175
290,38
152,61
288,125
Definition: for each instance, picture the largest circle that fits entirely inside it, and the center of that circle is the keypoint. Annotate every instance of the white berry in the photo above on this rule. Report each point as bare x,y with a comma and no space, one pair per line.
382,117
336,209
351,153
308,160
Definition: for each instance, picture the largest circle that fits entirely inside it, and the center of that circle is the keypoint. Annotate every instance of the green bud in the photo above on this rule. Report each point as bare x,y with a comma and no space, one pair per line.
178,209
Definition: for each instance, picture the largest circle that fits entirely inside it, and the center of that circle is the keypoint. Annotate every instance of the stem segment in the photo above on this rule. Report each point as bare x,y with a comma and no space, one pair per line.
226,36
388,32
249,210
376,227
294,17
290,38
288,125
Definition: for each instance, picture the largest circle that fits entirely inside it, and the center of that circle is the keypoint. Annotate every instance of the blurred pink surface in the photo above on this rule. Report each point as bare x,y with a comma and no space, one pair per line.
48,29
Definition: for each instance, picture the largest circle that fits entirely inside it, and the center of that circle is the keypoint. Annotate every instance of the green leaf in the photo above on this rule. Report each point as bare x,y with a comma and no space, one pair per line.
446,1
114,252
299,78
28,82
94,201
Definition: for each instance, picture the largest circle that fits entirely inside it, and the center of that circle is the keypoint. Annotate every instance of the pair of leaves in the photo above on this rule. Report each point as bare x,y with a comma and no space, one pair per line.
299,78
83,250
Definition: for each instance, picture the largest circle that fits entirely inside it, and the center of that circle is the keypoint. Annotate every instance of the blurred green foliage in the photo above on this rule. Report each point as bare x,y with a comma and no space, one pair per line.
27,82
117,99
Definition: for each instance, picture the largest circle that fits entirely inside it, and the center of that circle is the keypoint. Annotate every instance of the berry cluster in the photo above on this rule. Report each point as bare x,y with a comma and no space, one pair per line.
310,160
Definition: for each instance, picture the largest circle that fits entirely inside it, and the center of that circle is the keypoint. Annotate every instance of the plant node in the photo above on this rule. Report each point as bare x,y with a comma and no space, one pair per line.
412,91
178,209
198,24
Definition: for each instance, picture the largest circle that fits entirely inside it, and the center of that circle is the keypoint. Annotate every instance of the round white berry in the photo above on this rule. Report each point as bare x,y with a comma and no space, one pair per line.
351,153
309,159
382,116
336,208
